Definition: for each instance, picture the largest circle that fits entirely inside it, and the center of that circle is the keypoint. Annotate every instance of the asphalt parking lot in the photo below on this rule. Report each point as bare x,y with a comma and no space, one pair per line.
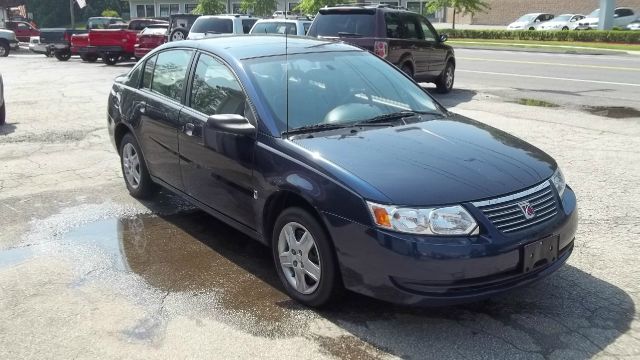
88,272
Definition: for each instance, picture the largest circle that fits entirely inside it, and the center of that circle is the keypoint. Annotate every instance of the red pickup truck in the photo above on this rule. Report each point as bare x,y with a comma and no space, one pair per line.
115,44
149,39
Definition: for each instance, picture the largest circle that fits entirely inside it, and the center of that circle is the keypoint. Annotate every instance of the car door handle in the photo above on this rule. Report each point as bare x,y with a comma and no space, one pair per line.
188,129
143,107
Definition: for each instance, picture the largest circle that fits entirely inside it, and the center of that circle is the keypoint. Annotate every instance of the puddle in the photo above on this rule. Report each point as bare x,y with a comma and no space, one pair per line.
195,254
14,256
615,112
534,102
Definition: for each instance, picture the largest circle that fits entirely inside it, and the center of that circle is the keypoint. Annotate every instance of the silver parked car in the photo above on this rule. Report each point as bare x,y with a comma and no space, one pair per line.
634,25
562,22
2,107
529,21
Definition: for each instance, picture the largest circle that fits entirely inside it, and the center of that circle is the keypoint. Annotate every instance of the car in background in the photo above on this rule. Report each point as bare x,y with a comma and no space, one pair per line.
562,22
24,30
299,26
55,42
8,41
621,17
405,39
530,21
634,25
349,171
208,25
150,38
114,45
3,110
280,13
179,26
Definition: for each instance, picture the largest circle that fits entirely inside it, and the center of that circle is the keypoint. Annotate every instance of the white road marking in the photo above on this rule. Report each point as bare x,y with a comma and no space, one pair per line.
549,78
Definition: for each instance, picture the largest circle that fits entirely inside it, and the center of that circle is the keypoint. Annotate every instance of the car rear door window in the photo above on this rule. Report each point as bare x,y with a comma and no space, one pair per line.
148,72
247,25
402,26
213,26
170,73
215,89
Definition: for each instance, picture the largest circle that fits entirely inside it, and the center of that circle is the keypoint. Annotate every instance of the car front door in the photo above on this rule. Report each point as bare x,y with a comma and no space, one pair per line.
438,54
160,102
217,166
405,43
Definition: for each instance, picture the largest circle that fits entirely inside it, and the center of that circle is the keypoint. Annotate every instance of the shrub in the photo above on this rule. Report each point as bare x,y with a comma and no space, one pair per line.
623,37
110,13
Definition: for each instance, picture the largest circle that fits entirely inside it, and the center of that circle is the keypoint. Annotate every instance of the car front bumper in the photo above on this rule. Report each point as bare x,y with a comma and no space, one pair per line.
434,271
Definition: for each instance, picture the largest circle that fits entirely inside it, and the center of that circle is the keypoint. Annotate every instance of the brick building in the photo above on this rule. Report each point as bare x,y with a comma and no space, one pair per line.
503,12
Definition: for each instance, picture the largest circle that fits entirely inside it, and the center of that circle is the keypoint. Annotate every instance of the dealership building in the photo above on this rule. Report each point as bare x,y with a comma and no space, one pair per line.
500,12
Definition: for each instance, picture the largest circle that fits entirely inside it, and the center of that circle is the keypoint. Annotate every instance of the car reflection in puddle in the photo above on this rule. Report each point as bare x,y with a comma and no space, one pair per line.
192,253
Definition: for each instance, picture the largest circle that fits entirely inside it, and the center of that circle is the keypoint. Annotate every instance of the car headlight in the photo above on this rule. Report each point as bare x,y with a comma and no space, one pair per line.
450,220
558,181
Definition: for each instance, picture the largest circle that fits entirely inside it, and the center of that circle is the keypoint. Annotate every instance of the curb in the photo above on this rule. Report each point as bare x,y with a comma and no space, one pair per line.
550,49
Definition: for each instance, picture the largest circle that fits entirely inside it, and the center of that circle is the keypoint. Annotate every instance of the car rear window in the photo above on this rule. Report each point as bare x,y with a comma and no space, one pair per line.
214,26
350,23
275,27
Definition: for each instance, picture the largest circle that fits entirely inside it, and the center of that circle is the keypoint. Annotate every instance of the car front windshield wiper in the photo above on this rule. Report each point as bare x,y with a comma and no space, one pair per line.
349,34
314,128
396,116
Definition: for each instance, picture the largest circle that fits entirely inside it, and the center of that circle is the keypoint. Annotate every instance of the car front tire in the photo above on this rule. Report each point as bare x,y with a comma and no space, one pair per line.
134,169
63,56
304,258
3,114
4,49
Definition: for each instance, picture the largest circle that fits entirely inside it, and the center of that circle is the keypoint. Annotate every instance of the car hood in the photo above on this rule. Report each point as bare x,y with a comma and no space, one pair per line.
589,20
435,162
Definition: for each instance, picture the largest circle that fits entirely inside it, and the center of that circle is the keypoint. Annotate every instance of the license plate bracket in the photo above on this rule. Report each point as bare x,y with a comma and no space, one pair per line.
540,253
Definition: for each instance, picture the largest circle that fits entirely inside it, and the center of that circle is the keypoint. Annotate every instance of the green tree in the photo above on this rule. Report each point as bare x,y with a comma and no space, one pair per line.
312,6
109,13
459,6
259,7
210,7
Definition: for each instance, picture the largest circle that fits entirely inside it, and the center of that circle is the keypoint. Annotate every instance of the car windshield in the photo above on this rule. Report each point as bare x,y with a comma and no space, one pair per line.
526,18
334,88
348,23
274,28
595,13
154,31
563,18
212,25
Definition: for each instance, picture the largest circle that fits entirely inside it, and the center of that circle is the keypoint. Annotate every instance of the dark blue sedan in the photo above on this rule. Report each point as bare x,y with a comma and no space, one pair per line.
351,172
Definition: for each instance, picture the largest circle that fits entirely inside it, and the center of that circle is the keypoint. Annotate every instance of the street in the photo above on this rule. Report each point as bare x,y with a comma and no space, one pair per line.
86,271
563,79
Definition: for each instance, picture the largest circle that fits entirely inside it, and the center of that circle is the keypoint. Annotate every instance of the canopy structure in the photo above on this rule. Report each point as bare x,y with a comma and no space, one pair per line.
606,14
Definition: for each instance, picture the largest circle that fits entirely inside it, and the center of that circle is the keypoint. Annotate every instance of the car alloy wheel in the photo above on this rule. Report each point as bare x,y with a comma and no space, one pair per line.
299,258
445,82
131,165
134,169
178,34
63,56
110,59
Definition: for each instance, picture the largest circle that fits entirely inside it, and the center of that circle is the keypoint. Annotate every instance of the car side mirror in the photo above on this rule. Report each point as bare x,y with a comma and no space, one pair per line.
231,123
443,37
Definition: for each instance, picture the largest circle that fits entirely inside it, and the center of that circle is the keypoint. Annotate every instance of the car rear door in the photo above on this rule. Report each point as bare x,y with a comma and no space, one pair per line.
162,94
217,166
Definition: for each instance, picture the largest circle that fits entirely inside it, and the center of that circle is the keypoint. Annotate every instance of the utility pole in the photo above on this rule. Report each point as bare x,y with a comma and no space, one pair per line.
73,18
606,14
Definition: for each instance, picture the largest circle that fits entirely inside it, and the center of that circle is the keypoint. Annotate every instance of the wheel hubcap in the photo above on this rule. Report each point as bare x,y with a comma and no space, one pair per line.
178,36
449,77
2,51
299,258
131,165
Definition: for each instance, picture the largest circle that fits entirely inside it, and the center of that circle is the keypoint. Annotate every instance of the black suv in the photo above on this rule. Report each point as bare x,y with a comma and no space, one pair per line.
404,38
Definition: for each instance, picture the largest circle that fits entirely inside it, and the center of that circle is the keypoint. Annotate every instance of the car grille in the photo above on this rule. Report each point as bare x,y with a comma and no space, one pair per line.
506,214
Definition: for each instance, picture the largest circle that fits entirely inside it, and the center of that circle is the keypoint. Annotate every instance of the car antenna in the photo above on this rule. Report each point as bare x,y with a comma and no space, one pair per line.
286,59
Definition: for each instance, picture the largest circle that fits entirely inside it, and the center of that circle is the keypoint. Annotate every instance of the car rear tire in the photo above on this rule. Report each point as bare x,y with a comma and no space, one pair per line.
63,55
134,169
407,69
305,259
565,28
532,28
4,49
445,81
3,114
178,34
110,59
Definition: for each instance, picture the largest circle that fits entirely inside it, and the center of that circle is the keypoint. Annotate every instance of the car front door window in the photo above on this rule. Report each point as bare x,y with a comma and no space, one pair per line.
215,89
427,32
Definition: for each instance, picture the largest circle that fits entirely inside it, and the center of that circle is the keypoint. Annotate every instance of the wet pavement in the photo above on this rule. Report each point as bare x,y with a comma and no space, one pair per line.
86,271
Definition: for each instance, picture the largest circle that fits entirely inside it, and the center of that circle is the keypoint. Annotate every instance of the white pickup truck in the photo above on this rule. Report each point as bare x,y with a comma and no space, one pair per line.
8,41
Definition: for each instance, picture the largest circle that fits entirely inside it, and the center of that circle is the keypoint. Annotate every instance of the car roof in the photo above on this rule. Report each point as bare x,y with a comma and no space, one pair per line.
227,16
283,20
252,46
